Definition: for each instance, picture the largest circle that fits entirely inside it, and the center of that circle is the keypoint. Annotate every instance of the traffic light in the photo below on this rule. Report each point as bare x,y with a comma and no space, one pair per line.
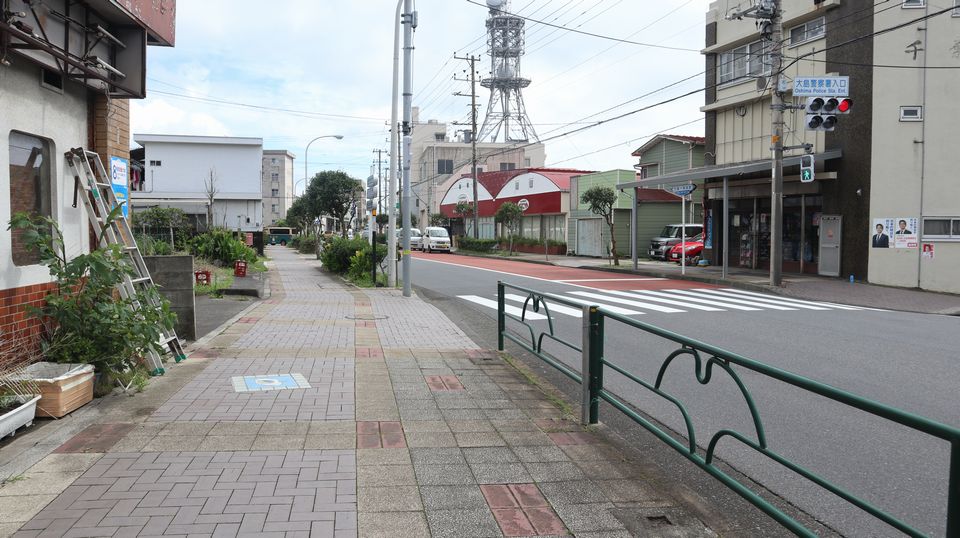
822,112
806,168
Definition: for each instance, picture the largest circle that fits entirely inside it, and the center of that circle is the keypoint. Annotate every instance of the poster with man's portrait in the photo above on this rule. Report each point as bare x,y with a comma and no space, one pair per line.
895,232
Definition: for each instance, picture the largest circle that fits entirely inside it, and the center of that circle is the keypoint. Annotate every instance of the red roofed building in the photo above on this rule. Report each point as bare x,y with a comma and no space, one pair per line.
543,192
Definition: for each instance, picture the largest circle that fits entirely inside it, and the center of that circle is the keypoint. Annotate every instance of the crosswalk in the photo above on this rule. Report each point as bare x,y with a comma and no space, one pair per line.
664,301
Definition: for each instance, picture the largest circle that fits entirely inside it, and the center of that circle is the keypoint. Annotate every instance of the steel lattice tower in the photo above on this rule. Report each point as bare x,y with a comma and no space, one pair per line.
506,113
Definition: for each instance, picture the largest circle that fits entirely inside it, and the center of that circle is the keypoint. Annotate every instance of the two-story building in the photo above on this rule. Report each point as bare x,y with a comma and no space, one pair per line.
216,180
60,89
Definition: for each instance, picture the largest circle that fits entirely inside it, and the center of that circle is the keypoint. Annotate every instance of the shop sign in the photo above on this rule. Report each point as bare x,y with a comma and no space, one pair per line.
683,190
524,204
119,172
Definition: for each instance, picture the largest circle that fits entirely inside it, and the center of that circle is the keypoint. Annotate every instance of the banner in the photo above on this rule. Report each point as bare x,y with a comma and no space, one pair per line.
895,232
119,174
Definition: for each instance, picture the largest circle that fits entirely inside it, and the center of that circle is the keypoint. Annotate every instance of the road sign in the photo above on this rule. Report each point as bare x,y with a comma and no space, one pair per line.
372,181
821,86
524,204
683,190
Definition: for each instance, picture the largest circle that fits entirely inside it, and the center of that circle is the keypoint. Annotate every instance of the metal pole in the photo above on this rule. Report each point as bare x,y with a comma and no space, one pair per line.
776,185
473,143
953,491
501,317
394,137
683,234
726,226
409,21
633,229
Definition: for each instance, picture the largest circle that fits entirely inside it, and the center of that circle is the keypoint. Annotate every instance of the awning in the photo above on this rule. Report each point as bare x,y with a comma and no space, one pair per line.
732,171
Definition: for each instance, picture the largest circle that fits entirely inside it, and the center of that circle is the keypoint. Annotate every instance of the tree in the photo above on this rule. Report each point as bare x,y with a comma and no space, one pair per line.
333,193
210,187
299,215
463,209
601,201
509,214
437,219
282,223
382,220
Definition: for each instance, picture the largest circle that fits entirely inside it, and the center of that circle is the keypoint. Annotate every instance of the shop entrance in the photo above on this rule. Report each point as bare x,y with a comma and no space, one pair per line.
750,233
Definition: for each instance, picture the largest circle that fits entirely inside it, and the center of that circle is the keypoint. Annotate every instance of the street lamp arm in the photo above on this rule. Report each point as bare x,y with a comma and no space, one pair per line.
306,153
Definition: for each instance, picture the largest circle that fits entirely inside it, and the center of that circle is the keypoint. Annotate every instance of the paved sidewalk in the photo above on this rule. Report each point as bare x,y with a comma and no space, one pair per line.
810,287
330,411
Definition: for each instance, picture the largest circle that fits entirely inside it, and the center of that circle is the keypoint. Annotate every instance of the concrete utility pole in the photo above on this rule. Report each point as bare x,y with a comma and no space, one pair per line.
409,22
380,188
392,199
473,137
770,20
776,138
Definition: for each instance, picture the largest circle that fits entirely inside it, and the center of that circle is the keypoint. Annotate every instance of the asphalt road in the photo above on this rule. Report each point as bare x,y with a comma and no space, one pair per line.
900,359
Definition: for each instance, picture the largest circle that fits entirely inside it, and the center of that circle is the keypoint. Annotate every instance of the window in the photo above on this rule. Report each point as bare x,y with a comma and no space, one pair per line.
30,190
941,228
526,160
274,192
275,176
807,31
911,113
155,163
273,208
747,60
516,185
914,3
956,9
507,166
51,80
273,161
530,183
439,137
444,166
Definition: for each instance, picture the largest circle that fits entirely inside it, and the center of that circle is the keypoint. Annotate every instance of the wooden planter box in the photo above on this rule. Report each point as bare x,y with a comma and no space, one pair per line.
63,387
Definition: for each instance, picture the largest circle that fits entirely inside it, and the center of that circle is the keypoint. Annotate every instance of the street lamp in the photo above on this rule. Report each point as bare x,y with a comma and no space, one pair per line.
306,153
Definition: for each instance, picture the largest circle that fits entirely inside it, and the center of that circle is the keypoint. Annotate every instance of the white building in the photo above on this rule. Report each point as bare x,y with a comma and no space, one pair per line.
438,162
277,184
178,171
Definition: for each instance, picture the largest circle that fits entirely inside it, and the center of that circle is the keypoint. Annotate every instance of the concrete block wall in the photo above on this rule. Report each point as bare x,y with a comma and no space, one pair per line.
174,276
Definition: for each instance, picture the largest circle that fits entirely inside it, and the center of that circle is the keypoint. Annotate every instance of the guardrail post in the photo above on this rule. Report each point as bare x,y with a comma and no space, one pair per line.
592,369
953,492
501,318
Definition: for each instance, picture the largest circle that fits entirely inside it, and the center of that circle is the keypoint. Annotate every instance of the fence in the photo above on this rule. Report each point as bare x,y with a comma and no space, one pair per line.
591,380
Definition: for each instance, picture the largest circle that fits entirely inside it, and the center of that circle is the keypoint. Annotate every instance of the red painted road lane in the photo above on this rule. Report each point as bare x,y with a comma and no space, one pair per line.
587,278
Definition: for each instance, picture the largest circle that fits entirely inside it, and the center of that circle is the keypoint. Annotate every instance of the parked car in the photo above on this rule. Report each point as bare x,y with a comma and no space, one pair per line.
694,247
660,246
435,238
415,239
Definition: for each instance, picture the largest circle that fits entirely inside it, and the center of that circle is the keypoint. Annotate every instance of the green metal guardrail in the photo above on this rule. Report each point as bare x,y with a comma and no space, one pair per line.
593,364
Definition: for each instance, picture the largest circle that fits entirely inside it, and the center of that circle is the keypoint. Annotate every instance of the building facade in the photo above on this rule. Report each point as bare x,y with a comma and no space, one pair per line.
438,161
543,194
277,184
50,103
183,171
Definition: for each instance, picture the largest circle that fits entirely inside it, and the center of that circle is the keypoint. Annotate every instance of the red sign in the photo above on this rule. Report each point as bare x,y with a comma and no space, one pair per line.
159,17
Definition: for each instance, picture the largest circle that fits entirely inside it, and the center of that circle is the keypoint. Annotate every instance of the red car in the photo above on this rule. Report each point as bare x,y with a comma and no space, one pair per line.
694,248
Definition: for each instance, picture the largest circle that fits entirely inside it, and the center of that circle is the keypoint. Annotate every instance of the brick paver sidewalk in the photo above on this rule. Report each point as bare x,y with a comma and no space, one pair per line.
379,418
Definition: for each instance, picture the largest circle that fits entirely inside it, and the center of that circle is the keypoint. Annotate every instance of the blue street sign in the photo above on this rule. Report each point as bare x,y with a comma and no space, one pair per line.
683,190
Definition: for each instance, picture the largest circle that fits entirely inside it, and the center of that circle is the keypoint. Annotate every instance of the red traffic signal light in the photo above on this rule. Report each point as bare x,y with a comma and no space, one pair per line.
844,106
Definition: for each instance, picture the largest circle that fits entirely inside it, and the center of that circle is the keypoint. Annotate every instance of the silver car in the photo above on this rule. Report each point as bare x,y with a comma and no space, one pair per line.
415,239
435,238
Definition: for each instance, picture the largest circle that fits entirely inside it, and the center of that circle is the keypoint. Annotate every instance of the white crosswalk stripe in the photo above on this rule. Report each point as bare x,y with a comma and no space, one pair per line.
506,308
630,302
553,307
638,302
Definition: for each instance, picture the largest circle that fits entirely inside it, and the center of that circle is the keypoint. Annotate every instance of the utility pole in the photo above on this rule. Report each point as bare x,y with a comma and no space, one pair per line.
473,137
770,21
380,188
409,23
391,207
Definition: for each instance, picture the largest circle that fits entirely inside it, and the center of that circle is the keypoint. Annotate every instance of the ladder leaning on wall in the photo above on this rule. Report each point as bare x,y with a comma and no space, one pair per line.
94,187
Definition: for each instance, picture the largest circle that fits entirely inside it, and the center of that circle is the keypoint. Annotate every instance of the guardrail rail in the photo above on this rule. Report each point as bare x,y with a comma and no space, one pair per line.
590,377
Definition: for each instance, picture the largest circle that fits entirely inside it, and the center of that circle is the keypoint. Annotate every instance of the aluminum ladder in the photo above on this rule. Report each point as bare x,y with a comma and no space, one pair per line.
93,184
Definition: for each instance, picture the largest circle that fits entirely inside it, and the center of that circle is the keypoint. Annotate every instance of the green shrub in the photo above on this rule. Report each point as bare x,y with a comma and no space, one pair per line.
531,242
294,242
337,252
307,244
361,264
153,247
477,245
220,246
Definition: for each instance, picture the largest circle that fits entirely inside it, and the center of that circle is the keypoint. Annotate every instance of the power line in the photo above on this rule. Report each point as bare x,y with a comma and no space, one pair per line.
660,131
591,34
306,113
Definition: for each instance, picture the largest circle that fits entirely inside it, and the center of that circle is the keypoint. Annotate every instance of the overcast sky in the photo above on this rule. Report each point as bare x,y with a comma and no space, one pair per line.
328,64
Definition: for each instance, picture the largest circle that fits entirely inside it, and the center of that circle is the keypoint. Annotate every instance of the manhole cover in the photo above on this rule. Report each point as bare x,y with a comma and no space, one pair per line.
259,383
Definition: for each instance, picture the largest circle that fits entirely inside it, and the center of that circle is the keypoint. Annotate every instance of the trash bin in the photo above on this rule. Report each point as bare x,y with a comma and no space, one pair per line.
239,268
201,277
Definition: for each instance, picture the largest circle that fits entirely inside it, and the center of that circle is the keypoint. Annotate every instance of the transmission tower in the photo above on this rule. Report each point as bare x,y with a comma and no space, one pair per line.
506,118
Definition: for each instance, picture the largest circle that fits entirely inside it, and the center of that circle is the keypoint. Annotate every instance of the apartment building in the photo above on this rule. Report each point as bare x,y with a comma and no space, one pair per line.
277,184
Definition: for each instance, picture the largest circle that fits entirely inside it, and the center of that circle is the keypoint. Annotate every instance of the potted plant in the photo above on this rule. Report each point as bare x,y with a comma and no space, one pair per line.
18,394
85,321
